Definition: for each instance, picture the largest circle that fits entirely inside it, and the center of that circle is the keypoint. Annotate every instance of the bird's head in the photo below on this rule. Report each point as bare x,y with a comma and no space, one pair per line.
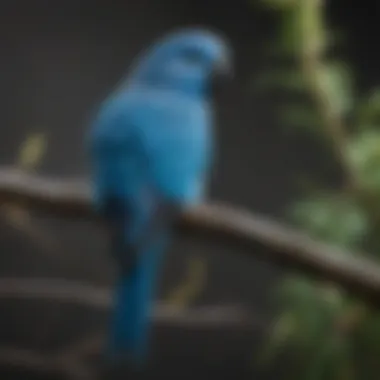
189,60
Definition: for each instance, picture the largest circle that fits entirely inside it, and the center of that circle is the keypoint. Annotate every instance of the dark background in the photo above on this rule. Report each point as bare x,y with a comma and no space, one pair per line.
58,60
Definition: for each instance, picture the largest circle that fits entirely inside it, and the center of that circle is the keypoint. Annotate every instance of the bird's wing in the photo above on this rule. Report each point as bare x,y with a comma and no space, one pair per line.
149,155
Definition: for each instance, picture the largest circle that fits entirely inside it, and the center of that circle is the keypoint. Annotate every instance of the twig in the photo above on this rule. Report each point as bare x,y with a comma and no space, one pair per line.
59,290
261,237
88,295
80,349
71,360
33,361
64,198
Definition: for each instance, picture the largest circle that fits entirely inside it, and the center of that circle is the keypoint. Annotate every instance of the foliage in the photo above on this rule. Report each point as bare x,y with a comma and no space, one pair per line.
333,336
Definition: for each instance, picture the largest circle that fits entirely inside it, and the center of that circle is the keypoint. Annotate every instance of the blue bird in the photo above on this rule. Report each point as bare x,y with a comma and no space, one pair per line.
151,150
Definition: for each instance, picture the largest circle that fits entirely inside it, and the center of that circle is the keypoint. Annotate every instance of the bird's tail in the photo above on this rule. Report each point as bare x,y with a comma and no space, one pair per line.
130,319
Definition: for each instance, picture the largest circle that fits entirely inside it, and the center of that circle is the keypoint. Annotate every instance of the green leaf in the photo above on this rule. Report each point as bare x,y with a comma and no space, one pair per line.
312,307
368,110
32,151
283,328
334,219
363,151
336,80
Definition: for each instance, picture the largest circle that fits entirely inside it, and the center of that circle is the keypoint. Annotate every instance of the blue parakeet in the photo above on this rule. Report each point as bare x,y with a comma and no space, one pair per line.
151,150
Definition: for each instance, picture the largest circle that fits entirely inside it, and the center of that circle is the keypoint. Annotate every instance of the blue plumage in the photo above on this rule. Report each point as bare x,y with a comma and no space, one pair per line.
151,147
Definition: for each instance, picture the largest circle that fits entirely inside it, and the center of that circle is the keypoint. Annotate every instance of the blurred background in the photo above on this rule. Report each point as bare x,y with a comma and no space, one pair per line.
298,141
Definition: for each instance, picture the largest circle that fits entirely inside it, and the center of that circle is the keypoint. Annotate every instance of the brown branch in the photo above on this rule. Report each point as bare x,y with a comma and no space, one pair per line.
88,295
81,349
70,361
32,361
282,245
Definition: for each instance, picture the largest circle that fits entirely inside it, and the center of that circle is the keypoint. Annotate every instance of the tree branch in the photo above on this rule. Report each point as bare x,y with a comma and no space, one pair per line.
32,361
70,361
282,245
21,358
89,295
